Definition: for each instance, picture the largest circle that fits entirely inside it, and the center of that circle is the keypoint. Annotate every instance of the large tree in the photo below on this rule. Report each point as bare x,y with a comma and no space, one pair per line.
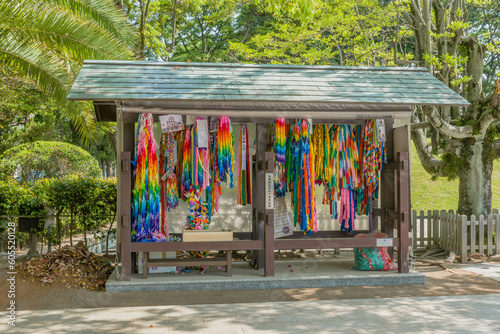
453,39
46,41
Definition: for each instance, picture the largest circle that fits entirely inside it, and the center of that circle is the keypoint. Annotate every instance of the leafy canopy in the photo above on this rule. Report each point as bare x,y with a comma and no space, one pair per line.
45,159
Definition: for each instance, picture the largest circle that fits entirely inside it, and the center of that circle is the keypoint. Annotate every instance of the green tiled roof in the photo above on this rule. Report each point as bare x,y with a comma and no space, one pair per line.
132,80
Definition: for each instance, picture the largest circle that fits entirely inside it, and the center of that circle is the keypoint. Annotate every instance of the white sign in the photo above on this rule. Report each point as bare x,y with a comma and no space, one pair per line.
202,127
384,242
282,223
190,119
243,148
269,191
171,123
214,124
381,129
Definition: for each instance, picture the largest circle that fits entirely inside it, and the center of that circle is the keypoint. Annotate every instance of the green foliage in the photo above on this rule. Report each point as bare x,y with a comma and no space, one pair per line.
46,42
11,194
340,32
32,161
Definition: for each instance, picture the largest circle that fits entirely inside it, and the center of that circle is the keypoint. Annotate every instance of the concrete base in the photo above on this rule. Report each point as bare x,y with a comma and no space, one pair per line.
292,274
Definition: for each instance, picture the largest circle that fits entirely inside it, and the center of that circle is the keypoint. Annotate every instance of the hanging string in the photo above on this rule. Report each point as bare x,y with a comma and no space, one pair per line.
169,193
187,165
163,186
322,144
279,148
344,171
225,154
302,177
215,186
244,186
146,192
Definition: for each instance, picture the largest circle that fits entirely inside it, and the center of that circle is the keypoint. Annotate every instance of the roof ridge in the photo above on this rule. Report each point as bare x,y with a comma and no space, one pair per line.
262,66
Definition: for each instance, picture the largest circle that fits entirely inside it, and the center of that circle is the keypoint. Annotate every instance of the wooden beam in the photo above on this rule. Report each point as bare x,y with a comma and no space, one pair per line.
197,246
126,216
387,185
403,213
269,221
328,243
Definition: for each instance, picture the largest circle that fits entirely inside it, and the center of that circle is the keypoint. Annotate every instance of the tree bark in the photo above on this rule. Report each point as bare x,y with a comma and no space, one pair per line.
475,178
142,42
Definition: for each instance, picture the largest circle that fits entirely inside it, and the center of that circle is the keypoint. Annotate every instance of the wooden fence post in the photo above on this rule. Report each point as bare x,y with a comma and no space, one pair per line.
481,235
421,238
463,239
435,225
497,229
490,235
472,235
429,228
414,229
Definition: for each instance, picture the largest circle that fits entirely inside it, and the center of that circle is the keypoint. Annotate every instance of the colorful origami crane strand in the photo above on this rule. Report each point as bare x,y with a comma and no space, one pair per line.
146,192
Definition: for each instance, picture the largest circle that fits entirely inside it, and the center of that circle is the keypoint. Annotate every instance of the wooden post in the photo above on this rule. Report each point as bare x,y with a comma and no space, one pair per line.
463,239
126,217
481,235
414,226
269,210
473,235
403,212
497,229
490,235
129,146
387,186
255,213
258,233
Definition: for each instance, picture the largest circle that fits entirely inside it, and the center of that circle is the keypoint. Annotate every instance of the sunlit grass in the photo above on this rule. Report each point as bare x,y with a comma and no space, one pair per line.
442,194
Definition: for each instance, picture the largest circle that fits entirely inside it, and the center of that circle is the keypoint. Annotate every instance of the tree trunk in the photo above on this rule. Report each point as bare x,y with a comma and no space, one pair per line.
71,229
85,234
475,178
107,234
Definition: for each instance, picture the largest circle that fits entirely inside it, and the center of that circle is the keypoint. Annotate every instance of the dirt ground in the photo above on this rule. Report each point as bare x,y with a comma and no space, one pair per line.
440,281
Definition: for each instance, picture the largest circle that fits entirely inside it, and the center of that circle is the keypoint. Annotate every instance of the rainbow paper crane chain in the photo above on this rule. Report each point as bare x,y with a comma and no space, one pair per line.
302,175
187,166
321,141
280,183
215,187
373,156
225,151
146,192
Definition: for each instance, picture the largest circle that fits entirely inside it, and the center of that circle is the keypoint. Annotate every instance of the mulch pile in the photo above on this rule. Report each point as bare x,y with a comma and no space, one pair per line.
74,267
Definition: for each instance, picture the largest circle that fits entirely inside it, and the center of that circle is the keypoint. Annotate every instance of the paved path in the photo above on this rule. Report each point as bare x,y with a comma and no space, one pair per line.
490,270
452,314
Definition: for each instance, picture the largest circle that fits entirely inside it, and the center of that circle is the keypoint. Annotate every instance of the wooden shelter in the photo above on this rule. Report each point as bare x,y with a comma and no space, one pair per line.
120,90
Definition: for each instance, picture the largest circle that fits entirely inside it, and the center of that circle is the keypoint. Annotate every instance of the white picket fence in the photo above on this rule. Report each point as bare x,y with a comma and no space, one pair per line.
453,232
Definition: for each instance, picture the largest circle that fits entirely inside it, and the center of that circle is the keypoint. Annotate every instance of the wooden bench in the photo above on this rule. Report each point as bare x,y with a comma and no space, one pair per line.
217,261
194,236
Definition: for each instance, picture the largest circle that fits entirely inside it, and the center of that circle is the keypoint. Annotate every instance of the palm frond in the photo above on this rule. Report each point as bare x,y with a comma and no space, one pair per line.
44,40
104,13
45,70
61,30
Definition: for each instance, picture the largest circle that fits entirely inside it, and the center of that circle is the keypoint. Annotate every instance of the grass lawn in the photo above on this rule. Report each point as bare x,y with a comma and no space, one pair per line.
442,194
